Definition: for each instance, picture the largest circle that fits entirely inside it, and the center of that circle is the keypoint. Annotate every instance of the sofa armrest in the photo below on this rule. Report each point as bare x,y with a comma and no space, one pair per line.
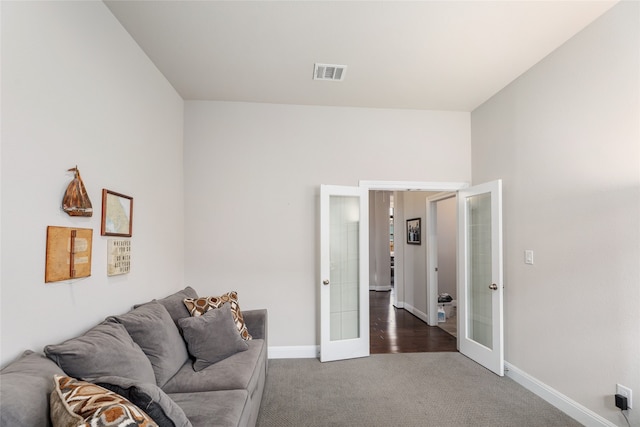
256,321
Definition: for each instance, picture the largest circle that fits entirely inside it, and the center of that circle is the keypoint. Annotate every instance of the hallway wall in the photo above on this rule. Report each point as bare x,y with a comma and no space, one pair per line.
415,256
447,244
379,247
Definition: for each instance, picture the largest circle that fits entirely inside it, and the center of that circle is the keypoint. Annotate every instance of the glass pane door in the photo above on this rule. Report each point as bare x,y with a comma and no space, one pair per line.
344,272
480,293
479,321
344,276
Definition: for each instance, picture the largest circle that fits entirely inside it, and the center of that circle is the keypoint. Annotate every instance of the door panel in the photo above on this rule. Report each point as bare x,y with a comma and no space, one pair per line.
344,281
480,275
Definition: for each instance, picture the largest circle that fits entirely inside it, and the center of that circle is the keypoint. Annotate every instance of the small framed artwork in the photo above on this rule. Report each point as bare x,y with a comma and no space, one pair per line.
117,214
414,231
118,256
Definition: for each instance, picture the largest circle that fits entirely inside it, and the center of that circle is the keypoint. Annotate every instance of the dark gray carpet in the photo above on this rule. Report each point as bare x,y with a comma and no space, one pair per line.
410,389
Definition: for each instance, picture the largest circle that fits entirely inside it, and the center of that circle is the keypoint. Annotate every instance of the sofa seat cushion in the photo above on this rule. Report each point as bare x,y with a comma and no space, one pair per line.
152,328
240,371
223,408
25,385
107,349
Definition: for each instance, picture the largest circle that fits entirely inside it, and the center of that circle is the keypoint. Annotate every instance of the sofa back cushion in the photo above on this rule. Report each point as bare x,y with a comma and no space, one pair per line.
106,349
174,305
25,385
152,328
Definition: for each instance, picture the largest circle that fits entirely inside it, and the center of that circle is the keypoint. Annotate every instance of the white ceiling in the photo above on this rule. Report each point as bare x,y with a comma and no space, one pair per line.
435,55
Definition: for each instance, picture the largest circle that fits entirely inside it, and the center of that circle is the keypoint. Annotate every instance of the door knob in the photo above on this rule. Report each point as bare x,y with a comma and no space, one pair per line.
493,287
325,282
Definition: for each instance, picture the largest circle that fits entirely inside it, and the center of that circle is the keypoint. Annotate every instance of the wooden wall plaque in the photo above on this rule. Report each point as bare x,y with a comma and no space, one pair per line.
68,253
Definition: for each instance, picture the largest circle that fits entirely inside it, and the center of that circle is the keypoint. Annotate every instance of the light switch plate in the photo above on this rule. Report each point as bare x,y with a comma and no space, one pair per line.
528,257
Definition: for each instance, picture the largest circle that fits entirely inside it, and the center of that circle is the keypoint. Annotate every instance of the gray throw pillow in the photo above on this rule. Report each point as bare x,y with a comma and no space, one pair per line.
106,349
174,305
152,328
212,337
25,385
148,397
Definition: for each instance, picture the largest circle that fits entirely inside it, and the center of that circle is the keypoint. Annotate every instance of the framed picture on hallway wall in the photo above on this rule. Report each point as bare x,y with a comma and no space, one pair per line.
414,231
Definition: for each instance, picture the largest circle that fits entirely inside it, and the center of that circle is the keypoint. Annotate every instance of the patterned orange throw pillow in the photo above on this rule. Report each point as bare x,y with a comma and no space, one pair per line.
83,404
199,306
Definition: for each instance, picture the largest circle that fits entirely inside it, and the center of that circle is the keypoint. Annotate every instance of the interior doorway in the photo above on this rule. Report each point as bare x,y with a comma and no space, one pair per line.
399,313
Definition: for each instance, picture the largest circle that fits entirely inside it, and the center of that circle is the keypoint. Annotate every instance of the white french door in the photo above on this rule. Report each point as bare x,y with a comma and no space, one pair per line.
480,287
344,272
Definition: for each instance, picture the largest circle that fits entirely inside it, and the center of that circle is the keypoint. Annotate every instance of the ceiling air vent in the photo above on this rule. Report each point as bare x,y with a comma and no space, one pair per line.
330,72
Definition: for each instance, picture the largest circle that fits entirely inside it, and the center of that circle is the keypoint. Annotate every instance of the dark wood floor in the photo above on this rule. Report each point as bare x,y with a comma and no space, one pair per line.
394,330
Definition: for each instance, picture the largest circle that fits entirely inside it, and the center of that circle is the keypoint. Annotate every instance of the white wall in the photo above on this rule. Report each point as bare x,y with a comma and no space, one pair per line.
415,256
399,243
76,90
379,243
252,185
447,231
564,137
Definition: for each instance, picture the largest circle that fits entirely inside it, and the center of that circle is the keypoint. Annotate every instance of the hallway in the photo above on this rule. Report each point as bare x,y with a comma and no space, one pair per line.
394,330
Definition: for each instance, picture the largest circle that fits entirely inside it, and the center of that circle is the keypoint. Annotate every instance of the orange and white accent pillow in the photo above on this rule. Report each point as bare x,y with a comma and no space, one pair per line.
83,404
199,306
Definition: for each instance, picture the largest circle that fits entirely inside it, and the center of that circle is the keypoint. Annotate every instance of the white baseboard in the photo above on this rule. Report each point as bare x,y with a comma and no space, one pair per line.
419,314
380,288
294,352
557,399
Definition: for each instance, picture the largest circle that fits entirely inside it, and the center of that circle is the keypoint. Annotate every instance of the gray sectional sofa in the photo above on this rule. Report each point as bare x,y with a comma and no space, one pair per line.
181,370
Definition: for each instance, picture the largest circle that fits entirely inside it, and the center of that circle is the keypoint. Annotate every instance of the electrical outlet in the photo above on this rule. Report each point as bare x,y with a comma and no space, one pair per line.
626,392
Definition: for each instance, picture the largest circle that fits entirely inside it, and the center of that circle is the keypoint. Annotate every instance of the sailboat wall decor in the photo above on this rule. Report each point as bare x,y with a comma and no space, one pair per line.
76,200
